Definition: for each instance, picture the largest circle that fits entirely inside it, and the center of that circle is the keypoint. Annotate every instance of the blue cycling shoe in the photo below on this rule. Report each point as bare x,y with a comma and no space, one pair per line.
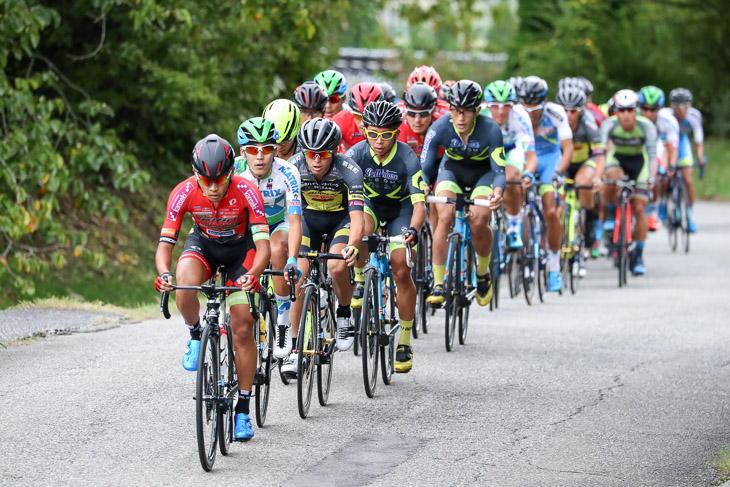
190,359
662,212
609,225
639,269
555,282
514,239
243,430
692,227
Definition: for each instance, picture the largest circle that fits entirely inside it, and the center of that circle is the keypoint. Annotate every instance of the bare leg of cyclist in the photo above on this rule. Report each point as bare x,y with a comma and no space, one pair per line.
245,347
513,198
638,209
551,212
362,259
482,240
279,242
441,245
406,308
190,272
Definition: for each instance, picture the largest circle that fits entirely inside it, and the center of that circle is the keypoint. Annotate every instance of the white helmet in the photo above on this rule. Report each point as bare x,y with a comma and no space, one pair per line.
626,99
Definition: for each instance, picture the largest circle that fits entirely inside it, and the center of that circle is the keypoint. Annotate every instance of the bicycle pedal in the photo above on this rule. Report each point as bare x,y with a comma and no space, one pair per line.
384,339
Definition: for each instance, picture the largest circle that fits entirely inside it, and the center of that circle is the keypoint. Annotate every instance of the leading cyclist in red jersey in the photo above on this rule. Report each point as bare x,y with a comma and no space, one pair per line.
230,229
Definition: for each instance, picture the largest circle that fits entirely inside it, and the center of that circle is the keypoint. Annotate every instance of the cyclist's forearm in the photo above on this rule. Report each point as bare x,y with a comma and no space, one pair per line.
419,215
163,257
295,235
262,257
672,155
600,165
700,148
357,224
531,162
567,148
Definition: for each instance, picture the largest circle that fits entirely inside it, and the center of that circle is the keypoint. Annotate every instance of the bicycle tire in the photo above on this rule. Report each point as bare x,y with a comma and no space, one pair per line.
369,326
387,352
623,246
471,275
495,271
684,215
530,258
578,257
542,276
452,291
267,353
419,278
229,387
306,351
207,413
325,362
672,218
356,317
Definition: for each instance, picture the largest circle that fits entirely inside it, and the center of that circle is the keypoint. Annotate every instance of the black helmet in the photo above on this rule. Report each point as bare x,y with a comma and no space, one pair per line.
465,93
533,90
382,114
213,156
319,134
420,95
310,96
679,96
389,93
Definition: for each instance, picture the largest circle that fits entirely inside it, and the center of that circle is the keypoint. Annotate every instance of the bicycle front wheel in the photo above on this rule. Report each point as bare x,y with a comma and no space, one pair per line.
623,245
325,361
207,414
306,351
452,291
470,287
266,352
387,351
229,383
530,258
684,215
369,326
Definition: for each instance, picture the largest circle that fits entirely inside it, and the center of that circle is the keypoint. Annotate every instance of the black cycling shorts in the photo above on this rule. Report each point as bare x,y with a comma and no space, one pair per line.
237,256
315,224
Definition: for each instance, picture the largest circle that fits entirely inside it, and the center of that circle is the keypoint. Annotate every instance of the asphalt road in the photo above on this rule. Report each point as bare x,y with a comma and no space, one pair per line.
607,387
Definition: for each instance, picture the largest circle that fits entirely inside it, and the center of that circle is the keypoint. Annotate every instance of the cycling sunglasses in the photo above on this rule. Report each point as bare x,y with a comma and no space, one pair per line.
387,135
573,109
649,109
419,113
356,116
535,108
495,104
625,110
321,154
334,99
253,150
219,181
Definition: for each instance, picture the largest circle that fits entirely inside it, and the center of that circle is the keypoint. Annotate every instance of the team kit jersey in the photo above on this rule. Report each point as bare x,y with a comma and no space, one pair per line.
667,128
412,139
633,150
691,125
280,190
350,133
552,129
517,136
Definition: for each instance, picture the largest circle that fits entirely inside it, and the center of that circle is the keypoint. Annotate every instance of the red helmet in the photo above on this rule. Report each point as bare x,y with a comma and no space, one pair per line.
362,94
427,74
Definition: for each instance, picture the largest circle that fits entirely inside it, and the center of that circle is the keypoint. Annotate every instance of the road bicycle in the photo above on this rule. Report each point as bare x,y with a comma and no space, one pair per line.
423,279
572,248
622,232
460,277
317,331
378,324
533,255
676,200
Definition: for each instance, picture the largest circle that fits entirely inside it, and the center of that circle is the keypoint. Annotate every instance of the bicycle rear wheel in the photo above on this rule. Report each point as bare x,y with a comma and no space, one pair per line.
623,246
452,290
306,351
325,361
672,219
530,258
387,351
207,414
420,278
265,345
684,215
542,275
229,384
369,326
495,270
470,286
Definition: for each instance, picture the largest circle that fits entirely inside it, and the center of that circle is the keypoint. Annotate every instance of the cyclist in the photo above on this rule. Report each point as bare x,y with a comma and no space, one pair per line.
592,107
474,158
554,148
430,76
389,92
332,201
651,100
443,93
230,229
519,146
286,117
311,99
633,140
279,182
392,179
690,122
419,102
350,121
335,86
588,162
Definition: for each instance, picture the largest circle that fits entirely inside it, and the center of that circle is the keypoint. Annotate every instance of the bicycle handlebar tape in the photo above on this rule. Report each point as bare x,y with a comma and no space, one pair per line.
163,305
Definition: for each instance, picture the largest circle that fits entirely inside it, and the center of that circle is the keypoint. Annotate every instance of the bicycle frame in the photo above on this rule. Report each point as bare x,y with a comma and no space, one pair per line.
461,227
379,261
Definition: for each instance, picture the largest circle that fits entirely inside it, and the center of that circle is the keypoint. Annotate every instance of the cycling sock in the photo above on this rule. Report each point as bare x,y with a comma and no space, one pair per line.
610,212
284,305
244,397
195,331
483,264
438,274
343,311
590,229
639,250
359,274
293,342
514,220
405,332
554,261
650,209
599,230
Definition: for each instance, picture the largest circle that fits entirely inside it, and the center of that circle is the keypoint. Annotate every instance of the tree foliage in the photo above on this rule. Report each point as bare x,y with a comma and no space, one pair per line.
98,96
620,43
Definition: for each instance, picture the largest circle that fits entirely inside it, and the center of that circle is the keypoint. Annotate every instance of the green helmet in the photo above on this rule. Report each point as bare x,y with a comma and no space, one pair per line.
257,130
499,91
332,81
285,114
651,95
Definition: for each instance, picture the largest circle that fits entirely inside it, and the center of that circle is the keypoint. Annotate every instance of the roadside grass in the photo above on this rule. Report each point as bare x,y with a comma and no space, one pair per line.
717,175
721,463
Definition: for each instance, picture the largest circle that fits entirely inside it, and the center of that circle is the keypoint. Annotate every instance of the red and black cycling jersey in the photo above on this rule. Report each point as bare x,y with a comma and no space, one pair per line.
240,212
414,140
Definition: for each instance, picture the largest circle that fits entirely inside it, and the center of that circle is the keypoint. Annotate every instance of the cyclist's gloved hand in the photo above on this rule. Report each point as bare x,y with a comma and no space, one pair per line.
527,175
163,281
410,236
703,162
291,264
350,254
662,170
249,282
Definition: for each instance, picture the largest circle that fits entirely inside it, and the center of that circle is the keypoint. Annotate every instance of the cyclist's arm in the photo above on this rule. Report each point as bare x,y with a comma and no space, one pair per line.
429,159
295,235
176,209
419,215
651,138
259,229
352,176
357,228
495,142
695,119
163,257
294,207
415,187
531,161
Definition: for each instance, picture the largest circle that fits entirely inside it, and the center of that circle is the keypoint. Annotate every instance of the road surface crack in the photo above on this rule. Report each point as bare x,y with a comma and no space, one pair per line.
577,472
